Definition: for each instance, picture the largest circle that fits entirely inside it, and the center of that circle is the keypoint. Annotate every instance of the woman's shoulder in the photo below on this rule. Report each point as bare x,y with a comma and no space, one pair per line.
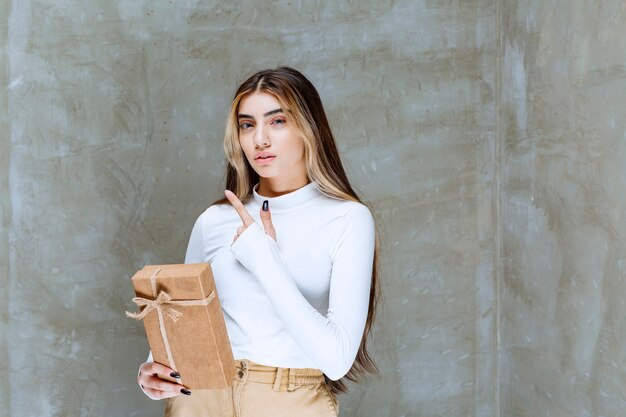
214,214
217,209
355,227
351,210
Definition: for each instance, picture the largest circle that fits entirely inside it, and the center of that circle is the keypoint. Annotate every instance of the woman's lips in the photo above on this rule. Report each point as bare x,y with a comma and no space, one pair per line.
265,160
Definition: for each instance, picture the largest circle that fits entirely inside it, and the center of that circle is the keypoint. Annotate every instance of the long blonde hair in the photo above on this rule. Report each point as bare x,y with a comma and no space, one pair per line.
303,107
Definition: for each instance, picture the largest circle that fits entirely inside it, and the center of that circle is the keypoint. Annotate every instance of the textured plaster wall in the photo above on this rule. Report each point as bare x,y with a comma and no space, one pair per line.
487,135
111,117
116,112
563,209
5,205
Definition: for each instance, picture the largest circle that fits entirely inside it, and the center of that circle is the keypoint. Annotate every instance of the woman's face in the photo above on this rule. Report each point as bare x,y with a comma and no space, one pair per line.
264,129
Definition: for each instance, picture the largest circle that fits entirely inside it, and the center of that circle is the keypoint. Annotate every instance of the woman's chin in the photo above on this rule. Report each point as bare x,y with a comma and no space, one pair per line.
266,173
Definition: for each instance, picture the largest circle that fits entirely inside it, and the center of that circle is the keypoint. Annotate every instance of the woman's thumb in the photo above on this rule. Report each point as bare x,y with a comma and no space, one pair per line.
266,219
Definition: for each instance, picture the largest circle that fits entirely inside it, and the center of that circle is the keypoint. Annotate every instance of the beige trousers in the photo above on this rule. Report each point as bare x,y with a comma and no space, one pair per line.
261,391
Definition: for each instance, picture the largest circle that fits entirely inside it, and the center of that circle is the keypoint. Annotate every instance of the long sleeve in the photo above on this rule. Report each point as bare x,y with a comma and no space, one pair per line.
194,254
195,247
331,342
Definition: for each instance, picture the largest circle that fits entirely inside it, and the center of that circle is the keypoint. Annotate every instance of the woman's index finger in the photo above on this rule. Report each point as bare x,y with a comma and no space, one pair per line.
238,205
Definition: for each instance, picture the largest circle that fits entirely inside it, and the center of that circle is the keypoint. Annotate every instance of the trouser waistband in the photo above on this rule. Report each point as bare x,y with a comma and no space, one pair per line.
280,378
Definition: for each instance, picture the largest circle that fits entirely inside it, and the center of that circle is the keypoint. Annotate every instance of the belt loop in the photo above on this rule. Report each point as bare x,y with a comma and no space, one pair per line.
244,367
237,390
292,380
278,379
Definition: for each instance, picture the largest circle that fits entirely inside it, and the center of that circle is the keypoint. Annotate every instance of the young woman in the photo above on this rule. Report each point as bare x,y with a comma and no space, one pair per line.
294,254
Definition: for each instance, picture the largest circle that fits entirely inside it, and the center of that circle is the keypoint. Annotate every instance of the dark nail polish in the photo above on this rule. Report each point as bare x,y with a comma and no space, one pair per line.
185,391
175,375
155,375
265,205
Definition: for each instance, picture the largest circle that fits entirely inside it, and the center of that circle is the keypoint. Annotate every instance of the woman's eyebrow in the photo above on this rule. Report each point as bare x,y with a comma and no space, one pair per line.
241,115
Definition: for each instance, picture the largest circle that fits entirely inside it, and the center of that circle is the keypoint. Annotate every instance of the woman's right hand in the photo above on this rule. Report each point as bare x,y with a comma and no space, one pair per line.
155,387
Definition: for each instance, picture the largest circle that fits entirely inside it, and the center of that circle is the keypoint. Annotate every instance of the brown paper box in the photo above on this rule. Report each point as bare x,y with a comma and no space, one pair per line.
198,339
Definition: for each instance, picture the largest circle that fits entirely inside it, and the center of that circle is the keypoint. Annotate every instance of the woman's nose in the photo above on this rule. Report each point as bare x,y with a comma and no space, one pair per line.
260,137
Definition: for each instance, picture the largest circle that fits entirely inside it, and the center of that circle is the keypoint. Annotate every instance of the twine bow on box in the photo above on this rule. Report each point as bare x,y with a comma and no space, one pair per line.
163,303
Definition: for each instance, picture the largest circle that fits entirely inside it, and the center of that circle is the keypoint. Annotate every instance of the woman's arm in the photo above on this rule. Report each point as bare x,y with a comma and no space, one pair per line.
194,255
195,247
331,342
195,251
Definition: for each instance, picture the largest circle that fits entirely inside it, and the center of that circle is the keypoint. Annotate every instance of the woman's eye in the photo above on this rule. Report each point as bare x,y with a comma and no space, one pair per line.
245,125
279,121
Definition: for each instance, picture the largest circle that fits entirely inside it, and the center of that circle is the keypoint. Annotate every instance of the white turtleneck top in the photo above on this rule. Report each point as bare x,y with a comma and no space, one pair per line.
300,301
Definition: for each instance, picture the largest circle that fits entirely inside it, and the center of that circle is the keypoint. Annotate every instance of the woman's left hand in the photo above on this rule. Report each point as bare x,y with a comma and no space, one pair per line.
247,219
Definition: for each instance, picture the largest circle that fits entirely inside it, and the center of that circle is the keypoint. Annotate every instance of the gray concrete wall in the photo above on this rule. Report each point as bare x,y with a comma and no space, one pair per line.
487,136
563,209
5,204
117,112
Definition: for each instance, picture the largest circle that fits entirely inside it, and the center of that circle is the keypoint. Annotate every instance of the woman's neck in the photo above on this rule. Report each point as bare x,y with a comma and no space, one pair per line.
274,187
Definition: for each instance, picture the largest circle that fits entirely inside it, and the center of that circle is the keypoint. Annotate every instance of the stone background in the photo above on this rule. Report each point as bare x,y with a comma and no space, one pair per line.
488,135
562,144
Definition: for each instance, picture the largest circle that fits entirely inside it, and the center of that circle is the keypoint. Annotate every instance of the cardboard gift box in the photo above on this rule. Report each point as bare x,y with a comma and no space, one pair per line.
185,324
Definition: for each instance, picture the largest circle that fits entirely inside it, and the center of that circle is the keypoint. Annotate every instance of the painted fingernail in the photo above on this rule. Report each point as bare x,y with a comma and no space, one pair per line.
185,391
175,375
265,205
155,375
